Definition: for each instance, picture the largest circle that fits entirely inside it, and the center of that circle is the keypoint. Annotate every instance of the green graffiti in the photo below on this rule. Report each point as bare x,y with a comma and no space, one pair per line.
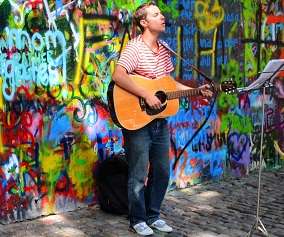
172,8
125,4
5,9
236,122
250,60
80,161
233,71
251,5
227,100
250,32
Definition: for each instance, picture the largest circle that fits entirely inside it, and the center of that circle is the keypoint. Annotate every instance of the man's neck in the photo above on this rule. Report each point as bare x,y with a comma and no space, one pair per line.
151,41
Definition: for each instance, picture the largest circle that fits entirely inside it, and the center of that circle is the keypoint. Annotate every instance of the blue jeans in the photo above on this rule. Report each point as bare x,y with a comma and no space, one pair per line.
147,145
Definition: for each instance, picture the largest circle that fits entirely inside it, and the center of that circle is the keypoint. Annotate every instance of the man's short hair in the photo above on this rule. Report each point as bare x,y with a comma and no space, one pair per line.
141,13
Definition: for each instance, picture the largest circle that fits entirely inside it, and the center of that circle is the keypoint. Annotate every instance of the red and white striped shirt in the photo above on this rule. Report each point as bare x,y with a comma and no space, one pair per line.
137,58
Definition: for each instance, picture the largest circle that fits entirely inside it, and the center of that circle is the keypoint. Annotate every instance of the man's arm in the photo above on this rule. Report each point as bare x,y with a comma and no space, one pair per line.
123,80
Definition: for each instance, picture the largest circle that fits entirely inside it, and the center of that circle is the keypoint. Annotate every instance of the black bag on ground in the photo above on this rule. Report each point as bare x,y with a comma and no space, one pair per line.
112,185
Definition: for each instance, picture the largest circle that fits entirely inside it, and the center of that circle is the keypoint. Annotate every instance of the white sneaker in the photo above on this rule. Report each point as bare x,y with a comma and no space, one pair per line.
161,226
143,229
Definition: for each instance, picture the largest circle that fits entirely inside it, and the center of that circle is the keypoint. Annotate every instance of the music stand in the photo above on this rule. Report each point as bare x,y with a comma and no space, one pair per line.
270,72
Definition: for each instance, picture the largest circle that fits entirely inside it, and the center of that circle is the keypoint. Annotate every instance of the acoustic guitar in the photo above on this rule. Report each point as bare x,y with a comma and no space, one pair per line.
131,112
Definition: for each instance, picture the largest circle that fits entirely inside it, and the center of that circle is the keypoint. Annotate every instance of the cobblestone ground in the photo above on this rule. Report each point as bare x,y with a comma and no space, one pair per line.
224,208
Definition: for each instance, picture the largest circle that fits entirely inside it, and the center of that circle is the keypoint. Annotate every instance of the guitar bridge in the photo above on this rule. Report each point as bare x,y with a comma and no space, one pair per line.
142,104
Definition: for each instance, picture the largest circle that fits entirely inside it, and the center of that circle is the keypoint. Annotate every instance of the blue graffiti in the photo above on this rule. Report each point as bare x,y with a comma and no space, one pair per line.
29,65
60,127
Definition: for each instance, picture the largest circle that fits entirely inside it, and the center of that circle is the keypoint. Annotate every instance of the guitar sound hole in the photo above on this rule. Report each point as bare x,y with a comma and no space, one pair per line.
161,96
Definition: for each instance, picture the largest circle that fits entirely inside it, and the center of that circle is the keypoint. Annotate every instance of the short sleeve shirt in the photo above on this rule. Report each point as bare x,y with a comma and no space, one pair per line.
137,58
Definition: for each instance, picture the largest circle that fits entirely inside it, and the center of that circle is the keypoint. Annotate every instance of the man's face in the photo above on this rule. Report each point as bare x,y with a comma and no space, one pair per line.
155,20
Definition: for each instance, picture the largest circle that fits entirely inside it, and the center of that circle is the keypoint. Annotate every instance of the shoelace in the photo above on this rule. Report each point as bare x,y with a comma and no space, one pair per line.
143,225
160,222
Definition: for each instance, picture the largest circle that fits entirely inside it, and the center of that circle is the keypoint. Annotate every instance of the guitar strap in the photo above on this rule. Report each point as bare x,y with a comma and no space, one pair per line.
194,68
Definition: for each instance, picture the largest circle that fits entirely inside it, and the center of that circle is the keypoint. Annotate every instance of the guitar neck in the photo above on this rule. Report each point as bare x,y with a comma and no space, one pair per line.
187,93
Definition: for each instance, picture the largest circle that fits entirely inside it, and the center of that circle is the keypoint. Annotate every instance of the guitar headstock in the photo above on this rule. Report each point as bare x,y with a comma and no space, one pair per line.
228,86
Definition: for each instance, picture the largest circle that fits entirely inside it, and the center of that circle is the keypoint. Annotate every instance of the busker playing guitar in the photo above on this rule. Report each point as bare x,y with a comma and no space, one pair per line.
145,56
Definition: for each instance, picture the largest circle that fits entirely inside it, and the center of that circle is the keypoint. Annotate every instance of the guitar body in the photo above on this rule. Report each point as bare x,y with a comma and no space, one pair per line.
130,112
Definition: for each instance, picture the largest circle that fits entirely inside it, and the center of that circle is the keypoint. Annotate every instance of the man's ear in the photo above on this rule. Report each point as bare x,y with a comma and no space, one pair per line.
143,23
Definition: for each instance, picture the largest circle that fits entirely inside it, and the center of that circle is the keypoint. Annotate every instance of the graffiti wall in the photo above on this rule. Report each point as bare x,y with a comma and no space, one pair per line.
56,61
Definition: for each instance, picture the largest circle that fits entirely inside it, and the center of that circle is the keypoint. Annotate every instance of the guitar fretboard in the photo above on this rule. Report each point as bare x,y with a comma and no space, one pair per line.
171,95
183,93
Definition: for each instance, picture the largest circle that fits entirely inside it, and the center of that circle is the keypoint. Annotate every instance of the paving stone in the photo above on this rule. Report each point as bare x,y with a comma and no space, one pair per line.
225,208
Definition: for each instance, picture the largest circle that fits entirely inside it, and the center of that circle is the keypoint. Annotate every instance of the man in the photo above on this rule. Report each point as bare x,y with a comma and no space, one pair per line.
145,56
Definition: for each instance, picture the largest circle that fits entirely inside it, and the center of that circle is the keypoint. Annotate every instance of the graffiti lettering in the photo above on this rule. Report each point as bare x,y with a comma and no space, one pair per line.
21,69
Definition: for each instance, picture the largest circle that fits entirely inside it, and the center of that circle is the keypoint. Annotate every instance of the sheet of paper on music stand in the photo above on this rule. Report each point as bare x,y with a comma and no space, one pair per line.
270,72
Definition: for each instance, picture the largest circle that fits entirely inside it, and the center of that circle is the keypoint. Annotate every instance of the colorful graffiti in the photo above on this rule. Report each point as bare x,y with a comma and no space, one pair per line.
56,61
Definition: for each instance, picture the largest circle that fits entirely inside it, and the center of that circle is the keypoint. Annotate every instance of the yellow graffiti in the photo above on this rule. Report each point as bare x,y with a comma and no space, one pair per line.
52,164
80,170
211,51
278,149
177,70
209,15
81,51
123,43
93,69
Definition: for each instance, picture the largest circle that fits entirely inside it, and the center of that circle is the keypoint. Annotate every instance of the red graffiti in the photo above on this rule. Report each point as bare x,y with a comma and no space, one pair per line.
10,201
16,133
272,19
